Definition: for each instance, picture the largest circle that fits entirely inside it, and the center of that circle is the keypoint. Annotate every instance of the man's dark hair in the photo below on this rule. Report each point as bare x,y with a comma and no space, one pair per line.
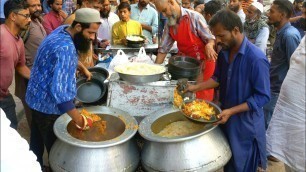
297,1
284,6
14,6
212,7
50,2
228,19
79,2
196,3
124,5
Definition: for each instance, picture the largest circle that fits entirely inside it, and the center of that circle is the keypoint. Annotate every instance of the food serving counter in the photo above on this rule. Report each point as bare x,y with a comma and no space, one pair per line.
141,99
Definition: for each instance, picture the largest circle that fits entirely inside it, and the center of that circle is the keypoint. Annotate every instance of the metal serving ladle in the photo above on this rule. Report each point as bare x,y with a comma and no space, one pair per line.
187,96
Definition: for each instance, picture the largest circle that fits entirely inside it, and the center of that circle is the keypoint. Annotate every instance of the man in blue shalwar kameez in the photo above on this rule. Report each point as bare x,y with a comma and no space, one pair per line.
242,72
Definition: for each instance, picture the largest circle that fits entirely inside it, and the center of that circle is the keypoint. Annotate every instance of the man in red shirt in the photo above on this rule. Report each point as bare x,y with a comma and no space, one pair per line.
55,17
12,54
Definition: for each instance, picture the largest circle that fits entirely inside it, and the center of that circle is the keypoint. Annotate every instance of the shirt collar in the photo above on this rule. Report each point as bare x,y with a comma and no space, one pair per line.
284,28
183,14
183,11
146,7
242,49
54,13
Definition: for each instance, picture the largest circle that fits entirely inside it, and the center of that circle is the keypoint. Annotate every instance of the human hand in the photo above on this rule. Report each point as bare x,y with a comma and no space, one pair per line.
62,14
87,123
192,88
224,116
124,41
95,57
104,43
210,52
87,74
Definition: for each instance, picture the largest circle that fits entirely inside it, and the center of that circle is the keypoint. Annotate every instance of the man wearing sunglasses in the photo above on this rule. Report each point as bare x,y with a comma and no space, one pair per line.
12,53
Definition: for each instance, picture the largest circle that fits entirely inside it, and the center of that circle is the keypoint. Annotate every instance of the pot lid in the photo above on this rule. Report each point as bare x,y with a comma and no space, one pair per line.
60,128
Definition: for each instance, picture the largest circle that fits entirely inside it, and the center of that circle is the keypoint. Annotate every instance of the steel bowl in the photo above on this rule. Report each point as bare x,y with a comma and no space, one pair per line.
141,79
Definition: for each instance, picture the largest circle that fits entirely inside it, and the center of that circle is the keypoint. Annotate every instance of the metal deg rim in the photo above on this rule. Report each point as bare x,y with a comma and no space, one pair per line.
146,132
60,128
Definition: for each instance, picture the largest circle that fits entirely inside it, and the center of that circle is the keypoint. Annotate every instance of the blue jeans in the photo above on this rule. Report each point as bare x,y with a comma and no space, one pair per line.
269,108
8,105
42,133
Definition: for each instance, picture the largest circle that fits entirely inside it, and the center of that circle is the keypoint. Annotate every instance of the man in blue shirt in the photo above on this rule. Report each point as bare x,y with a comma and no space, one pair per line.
147,16
242,73
52,85
287,40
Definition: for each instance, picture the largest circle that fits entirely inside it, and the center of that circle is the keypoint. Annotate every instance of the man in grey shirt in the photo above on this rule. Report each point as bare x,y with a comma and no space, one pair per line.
32,39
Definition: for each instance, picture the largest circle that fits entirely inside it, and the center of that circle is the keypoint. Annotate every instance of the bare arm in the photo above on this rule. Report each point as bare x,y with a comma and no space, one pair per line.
227,113
82,68
210,51
160,58
76,116
24,71
294,19
209,84
146,27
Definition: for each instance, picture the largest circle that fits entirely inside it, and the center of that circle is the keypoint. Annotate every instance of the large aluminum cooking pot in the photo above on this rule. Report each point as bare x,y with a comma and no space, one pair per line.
204,150
118,154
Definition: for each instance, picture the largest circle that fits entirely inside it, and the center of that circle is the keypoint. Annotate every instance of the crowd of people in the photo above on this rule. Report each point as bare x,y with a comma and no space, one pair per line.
261,92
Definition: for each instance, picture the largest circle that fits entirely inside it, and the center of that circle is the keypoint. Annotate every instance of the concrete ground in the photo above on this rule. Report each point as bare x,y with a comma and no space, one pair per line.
24,131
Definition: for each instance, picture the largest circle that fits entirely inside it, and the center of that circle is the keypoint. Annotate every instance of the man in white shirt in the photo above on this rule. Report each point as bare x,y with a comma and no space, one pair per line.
107,19
255,27
236,6
147,16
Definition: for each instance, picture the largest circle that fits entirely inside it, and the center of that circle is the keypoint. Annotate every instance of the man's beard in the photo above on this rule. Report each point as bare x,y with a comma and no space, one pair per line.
143,4
230,45
251,20
275,24
234,8
172,20
36,14
81,43
104,14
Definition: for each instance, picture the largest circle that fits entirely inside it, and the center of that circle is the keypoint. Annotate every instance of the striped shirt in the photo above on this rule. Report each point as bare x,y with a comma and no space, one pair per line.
198,26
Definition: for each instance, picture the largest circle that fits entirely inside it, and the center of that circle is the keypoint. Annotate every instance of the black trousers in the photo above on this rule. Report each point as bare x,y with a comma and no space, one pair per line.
8,106
42,133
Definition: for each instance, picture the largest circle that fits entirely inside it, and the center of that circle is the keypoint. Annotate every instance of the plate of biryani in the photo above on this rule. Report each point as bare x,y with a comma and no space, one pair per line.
197,110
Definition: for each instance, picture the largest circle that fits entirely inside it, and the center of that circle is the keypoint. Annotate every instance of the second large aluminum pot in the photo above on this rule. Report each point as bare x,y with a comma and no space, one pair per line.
118,154
205,150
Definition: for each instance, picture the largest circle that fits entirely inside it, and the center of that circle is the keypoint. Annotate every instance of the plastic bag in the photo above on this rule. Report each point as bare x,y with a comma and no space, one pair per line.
120,58
142,57
105,60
